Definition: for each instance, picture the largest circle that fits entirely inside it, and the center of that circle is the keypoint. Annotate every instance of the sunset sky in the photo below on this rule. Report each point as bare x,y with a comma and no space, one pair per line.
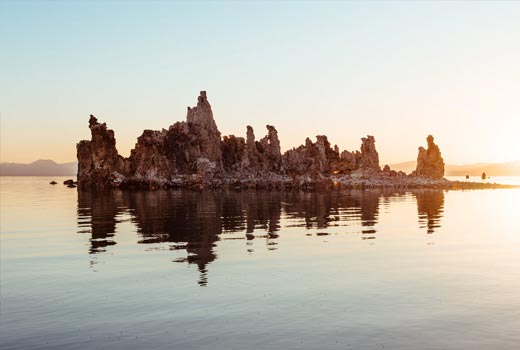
395,70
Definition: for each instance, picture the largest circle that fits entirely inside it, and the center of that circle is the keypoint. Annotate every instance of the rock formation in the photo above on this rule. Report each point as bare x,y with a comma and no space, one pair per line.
269,147
192,154
311,158
429,161
234,153
99,163
367,159
150,158
204,132
195,140
255,157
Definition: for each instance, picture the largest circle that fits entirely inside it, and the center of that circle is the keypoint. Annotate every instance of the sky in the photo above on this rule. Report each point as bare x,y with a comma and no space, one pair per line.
395,70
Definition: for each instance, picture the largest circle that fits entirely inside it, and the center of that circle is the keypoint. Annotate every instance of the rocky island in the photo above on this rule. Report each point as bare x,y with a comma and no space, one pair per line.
193,154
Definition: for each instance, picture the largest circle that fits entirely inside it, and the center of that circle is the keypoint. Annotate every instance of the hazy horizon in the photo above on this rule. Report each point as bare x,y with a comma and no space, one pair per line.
398,71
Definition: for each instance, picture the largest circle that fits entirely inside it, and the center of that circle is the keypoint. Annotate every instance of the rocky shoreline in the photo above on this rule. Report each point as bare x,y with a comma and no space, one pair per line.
192,154
285,183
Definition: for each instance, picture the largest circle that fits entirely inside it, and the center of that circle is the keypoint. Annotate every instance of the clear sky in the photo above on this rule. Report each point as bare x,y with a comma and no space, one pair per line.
395,70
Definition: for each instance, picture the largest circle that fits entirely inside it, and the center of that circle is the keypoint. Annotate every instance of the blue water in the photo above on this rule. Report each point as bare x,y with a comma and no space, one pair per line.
258,270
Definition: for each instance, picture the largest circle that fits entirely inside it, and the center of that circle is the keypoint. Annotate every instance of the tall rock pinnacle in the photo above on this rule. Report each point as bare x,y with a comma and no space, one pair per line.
201,124
429,161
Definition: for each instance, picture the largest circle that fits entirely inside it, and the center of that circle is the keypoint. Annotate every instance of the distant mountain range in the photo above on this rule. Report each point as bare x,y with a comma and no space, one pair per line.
46,167
491,169
42,167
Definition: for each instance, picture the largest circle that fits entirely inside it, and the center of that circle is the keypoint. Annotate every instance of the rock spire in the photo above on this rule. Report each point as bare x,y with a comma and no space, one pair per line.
429,161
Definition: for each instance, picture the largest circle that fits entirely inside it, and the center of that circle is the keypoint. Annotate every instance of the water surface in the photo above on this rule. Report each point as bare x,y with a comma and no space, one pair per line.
258,270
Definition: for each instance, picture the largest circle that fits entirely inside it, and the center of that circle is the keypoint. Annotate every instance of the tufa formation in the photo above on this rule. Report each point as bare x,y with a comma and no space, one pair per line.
193,154
429,161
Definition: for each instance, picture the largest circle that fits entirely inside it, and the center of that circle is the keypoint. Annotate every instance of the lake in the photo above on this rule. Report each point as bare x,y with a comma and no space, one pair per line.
421,269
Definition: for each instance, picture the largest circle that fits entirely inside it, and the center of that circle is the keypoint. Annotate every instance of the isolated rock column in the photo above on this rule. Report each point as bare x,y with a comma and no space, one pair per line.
99,163
429,161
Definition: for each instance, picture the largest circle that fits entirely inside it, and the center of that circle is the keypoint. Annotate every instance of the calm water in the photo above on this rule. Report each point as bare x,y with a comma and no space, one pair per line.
258,270
506,180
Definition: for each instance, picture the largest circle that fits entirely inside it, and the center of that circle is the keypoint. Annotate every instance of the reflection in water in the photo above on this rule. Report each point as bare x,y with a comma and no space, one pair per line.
99,213
195,221
430,204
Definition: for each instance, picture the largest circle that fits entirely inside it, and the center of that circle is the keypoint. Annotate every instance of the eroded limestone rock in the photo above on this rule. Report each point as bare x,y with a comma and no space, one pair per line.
234,153
204,130
429,161
312,158
99,163
269,147
192,154
367,159
150,159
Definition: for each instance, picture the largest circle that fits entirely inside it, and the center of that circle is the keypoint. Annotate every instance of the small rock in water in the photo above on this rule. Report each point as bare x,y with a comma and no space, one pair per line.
53,183
68,182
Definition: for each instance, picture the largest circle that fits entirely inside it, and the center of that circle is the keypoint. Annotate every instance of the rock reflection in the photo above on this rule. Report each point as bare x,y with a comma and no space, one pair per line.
188,217
98,215
195,221
325,209
430,205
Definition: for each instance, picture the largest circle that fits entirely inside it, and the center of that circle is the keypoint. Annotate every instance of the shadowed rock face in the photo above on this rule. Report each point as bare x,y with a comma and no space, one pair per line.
311,158
367,159
234,153
150,158
201,125
190,147
255,157
429,161
98,160
192,153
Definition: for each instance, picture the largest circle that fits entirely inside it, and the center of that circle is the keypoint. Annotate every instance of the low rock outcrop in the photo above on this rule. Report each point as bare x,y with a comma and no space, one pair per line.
313,158
429,161
192,154
367,159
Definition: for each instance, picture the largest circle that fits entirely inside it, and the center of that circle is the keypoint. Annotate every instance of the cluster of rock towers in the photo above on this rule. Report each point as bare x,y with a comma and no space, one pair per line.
194,150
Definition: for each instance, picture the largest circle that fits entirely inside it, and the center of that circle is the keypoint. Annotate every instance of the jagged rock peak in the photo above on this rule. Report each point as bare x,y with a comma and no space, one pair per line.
272,138
429,161
250,136
92,121
203,132
202,113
